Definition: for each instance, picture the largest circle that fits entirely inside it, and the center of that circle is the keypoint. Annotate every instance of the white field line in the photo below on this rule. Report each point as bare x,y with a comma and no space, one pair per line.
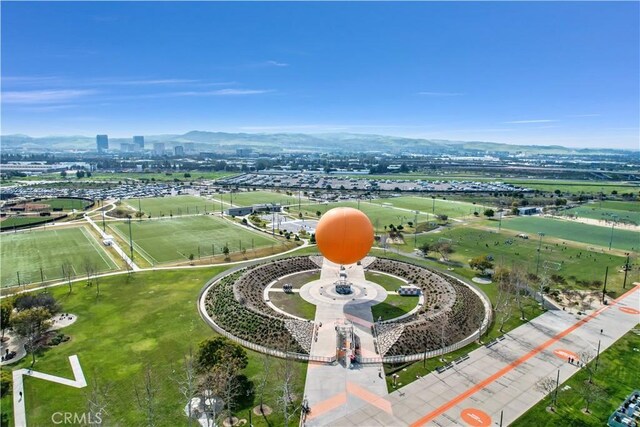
100,251
136,246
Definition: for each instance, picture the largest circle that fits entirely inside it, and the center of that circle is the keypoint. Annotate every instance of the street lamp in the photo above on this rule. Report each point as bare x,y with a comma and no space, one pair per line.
613,224
539,248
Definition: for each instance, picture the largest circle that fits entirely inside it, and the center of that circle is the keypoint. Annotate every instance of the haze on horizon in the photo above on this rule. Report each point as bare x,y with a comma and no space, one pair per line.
523,73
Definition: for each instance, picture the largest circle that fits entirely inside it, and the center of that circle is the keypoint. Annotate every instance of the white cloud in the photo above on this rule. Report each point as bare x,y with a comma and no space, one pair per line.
43,96
518,122
440,93
224,92
277,64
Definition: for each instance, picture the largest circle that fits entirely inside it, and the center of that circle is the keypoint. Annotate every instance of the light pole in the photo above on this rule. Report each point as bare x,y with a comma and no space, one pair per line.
539,249
130,240
626,269
613,224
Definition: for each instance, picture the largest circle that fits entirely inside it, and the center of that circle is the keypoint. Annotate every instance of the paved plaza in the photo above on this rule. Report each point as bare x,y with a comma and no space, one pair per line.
497,380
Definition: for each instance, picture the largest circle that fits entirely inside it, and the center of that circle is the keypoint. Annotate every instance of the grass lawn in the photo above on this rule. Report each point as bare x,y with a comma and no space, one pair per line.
167,240
577,263
173,206
298,280
620,205
29,251
569,230
594,211
390,283
294,304
16,221
379,215
249,198
139,320
65,204
450,208
394,306
617,377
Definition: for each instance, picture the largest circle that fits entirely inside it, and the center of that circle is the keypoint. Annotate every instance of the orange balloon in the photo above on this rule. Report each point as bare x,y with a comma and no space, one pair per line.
344,235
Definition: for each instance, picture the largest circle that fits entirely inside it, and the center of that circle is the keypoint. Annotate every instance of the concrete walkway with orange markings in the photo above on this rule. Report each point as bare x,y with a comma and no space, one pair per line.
334,391
503,377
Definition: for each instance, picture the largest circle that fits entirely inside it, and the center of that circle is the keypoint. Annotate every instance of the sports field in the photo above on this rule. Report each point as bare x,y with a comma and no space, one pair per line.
65,204
173,206
380,215
569,230
16,221
249,198
28,252
170,240
508,250
594,211
433,206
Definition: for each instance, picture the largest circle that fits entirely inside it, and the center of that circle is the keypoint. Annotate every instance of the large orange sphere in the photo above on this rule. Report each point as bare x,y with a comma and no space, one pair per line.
344,235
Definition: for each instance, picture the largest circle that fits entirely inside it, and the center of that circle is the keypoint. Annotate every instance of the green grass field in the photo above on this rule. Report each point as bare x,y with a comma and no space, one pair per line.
17,221
249,198
65,204
173,206
390,283
145,319
394,306
294,304
620,205
28,251
380,216
617,375
576,263
569,230
167,240
428,205
594,211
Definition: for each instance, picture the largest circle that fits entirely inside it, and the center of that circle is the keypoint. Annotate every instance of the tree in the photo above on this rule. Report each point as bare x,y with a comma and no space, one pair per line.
80,174
63,174
68,273
185,378
44,300
6,308
425,248
443,248
31,324
585,356
191,257
215,350
443,217
489,213
89,268
547,385
225,251
481,263
318,214
288,378
266,368
590,392
146,396
97,400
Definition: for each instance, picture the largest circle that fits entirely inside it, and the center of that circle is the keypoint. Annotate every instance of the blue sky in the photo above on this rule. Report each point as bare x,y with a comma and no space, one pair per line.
514,72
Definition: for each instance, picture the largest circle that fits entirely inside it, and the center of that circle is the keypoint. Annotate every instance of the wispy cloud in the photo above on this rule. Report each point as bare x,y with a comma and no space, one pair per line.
584,115
521,122
223,92
276,64
44,96
46,108
440,93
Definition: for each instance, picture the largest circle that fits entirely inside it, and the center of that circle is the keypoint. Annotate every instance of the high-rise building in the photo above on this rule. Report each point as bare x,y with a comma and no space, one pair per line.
189,147
178,150
158,148
128,148
102,143
138,141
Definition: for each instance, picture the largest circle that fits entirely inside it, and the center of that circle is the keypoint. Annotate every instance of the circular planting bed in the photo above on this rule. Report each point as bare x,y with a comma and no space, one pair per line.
254,307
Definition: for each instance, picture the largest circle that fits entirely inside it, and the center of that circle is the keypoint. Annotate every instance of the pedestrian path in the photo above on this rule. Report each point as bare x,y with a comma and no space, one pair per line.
500,381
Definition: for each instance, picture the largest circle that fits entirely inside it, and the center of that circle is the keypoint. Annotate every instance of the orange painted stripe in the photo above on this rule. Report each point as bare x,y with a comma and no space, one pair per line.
369,397
327,405
462,396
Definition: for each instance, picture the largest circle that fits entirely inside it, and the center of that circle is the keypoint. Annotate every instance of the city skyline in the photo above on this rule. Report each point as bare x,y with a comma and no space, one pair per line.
520,73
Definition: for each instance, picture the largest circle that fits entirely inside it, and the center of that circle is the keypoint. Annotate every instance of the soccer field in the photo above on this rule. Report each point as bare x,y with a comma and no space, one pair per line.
594,211
433,206
170,240
568,230
28,252
380,215
66,204
173,206
250,198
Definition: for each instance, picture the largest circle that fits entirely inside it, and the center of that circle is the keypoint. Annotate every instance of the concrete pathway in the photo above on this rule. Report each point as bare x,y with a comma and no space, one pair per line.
502,378
333,391
19,415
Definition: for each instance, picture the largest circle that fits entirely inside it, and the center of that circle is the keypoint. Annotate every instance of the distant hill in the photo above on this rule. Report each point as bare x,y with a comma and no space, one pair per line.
300,142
